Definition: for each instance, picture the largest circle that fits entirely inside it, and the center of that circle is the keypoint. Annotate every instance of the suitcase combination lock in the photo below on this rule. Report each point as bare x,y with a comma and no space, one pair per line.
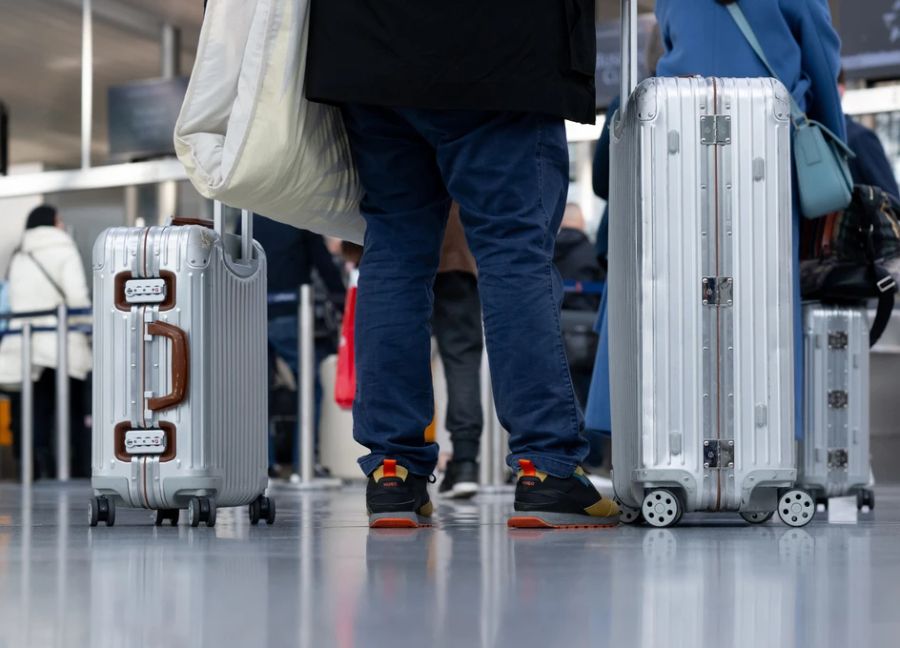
145,442
145,291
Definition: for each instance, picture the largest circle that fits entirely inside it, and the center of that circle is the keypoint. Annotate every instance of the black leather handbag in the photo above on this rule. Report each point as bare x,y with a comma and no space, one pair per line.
852,256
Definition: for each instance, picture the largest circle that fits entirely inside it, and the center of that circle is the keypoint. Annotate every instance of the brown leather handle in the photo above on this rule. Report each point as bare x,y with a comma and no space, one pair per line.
181,220
180,364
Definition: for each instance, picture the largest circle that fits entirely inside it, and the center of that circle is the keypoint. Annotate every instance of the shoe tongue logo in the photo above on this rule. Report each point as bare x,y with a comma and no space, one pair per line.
390,468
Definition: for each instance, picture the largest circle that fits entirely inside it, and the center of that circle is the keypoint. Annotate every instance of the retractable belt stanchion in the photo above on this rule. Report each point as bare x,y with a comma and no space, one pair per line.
62,393
306,396
306,392
27,451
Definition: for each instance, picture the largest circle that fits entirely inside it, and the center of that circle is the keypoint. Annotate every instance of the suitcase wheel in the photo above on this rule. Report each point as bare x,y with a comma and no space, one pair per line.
628,515
796,508
201,509
262,508
757,517
865,498
101,509
661,508
167,514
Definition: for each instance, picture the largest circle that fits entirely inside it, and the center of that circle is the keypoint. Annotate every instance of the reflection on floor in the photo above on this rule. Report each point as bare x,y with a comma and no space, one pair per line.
319,577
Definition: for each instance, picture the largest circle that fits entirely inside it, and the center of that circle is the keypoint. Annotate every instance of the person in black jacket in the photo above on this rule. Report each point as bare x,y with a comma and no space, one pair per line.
292,255
462,100
870,166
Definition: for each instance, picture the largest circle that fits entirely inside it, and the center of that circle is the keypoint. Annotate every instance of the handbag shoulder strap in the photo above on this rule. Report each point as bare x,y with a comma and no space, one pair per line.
740,19
46,274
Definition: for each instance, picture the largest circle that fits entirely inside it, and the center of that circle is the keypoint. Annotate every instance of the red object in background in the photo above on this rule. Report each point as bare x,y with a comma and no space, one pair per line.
345,382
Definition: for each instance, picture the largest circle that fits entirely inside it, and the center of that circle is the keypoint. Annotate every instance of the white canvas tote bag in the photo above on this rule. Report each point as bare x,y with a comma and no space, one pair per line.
246,134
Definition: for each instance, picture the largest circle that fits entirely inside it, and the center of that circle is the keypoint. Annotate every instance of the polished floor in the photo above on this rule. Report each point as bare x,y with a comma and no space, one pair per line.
320,577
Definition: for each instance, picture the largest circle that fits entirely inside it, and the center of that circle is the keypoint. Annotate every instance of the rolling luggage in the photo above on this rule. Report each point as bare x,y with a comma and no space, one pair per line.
701,298
180,372
834,453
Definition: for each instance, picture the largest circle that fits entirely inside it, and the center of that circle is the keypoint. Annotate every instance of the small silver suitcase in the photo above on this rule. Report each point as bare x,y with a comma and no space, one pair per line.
180,372
834,453
701,300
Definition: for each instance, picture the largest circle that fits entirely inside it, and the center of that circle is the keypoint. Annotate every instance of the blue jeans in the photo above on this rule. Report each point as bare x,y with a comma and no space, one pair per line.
509,173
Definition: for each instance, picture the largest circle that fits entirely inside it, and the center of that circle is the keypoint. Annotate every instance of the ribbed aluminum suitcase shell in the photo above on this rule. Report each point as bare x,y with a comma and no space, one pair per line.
701,294
217,435
834,453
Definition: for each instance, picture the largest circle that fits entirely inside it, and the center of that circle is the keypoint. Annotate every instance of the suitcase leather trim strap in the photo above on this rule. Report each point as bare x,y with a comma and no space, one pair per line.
180,365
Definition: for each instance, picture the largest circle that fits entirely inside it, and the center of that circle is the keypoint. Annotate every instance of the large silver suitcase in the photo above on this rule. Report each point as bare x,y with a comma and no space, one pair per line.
834,453
701,301
180,372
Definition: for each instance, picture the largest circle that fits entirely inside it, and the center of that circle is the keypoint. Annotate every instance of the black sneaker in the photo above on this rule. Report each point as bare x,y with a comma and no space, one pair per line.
460,480
397,499
548,502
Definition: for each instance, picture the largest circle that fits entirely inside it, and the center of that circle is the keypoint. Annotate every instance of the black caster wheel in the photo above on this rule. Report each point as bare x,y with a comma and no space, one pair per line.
661,508
796,508
210,512
102,509
93,512
254,509
167,514
194,512
757,517
865,498
110,512
201,509
267,510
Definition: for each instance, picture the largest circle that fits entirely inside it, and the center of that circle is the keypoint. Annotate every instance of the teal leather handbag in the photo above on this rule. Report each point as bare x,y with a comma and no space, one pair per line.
824,183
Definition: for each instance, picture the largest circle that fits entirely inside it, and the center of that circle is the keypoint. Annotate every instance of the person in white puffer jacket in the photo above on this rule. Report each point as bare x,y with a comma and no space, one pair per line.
45,271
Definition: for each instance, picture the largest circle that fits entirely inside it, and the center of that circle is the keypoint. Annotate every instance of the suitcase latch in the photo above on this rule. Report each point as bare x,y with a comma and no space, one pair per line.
838,459
838,399
145,291
717,291
715,130
718,453
837,340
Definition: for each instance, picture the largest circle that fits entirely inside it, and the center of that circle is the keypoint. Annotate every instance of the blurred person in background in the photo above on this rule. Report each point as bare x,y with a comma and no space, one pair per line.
45,271
870,166
466,101
576,259
456,323
293,256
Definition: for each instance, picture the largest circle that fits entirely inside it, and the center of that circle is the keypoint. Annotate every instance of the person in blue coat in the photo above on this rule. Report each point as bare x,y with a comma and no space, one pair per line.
700,37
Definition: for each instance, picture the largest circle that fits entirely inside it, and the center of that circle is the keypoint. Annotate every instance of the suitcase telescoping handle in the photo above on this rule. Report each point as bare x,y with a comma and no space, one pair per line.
180,365
629,51
246,230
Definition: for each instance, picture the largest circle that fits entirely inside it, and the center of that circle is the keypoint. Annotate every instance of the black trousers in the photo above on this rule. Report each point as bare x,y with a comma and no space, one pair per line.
44,427
456,323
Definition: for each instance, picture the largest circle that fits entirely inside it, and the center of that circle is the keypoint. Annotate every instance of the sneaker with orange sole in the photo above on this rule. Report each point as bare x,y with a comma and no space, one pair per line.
397,499
547,502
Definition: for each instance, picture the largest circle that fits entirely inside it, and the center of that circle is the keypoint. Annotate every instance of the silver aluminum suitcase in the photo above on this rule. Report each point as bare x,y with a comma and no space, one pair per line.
180,372
834,453
701,301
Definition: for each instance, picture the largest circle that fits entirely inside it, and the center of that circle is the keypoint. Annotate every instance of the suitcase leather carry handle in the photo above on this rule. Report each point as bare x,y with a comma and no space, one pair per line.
180,364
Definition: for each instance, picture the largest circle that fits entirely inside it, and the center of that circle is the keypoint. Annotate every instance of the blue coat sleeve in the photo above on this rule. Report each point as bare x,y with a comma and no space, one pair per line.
821,62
